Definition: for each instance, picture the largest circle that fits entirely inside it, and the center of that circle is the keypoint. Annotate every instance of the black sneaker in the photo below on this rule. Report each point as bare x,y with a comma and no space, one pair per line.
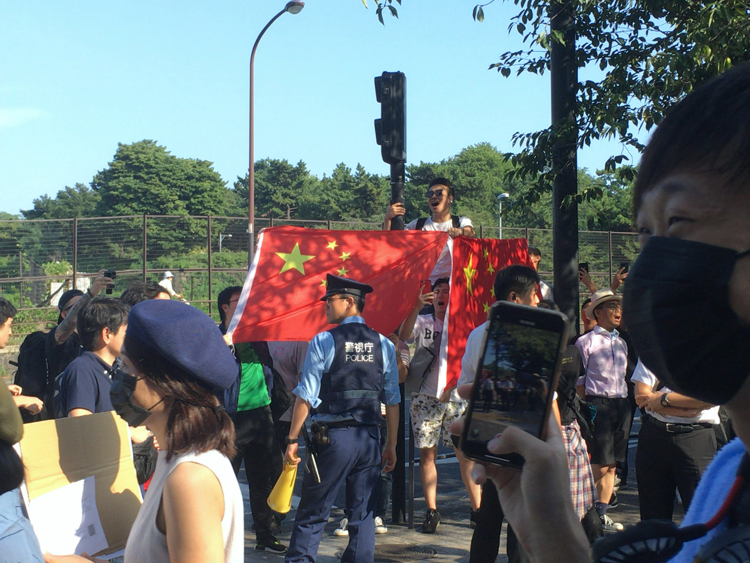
270,543
613,502
431,521
473,518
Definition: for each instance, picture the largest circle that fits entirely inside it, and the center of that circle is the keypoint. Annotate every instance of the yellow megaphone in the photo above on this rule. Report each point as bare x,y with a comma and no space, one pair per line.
280,499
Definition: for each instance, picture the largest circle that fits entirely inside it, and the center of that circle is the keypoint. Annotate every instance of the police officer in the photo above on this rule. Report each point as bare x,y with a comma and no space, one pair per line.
348,371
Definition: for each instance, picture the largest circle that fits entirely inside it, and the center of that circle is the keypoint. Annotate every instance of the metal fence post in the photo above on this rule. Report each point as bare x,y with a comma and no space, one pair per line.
210,294
20,273
481,232
610,257
75,250
527,235
145,247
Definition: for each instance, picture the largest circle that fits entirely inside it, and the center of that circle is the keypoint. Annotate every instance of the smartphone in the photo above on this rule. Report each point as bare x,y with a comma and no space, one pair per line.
516,379
624,266
110,274
583,266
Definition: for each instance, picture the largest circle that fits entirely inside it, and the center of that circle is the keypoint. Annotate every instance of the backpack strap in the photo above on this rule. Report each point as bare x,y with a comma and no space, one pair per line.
420,223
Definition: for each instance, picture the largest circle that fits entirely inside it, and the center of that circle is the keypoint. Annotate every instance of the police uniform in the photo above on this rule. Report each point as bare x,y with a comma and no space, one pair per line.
348,371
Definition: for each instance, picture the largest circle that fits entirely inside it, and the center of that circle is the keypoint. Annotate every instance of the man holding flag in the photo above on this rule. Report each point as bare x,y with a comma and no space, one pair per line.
348,371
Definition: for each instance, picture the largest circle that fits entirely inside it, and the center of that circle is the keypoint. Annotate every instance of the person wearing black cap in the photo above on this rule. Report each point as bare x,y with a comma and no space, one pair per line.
174,360
348,371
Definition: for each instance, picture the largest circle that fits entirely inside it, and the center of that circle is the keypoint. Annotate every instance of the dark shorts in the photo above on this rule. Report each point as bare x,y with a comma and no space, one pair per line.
610,442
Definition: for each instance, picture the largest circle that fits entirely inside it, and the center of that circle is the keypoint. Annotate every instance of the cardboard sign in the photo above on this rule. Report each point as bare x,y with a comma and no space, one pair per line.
63,451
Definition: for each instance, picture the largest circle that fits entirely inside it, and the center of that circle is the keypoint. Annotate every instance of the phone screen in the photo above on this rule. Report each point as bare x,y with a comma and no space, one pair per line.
514,382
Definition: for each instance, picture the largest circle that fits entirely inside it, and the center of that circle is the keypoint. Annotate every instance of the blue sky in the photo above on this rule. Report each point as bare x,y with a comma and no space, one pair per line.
79,77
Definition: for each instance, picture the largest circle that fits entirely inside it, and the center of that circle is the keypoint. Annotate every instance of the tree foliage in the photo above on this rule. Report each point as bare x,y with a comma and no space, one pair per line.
78,201
643,57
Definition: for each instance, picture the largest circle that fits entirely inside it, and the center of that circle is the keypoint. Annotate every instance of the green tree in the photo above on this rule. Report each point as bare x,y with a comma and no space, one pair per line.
649,55
78,201
144,177
278,188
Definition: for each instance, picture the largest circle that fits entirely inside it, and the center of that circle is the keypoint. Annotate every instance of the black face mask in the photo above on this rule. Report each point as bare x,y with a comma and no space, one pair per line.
676,308
121,395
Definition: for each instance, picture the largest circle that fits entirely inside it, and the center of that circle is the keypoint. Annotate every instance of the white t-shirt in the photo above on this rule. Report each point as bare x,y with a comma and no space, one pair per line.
472,355
427,329
645,375
442,267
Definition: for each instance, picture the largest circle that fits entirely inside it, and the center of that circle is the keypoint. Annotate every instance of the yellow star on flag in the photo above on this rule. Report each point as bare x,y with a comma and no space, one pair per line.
470,272
342,272
294,260
490,269
486,253
486,307
332,245
324,283
345,256
492,291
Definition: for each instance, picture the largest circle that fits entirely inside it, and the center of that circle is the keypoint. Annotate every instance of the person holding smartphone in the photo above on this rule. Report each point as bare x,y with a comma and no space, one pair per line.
518,284
692,204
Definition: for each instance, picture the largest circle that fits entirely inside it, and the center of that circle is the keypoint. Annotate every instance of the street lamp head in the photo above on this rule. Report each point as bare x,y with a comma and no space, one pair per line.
294,7
502,196
228,236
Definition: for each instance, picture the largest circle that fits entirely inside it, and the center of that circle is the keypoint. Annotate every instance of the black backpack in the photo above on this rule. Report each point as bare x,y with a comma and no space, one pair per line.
422,220
32,373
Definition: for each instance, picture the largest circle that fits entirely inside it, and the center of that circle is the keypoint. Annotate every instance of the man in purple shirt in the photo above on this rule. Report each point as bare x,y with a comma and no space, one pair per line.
605,357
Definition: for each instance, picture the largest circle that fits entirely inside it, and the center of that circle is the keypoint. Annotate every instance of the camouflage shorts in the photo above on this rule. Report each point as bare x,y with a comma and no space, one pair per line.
429,416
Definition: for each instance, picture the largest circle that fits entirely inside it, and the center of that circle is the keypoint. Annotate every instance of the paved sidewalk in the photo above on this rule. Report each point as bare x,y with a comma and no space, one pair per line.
451,541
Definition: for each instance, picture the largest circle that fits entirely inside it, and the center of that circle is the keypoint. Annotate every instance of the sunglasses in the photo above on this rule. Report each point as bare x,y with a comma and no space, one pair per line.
437,193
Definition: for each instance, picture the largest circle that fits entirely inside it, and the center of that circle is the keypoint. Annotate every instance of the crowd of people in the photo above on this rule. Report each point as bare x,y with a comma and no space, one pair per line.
200,407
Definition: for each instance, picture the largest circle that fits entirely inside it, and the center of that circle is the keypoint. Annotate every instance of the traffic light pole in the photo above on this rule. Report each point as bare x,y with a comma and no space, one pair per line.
398,170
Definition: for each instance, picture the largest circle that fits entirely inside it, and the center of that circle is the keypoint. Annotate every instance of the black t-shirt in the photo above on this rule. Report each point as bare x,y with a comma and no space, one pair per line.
60,356
571,370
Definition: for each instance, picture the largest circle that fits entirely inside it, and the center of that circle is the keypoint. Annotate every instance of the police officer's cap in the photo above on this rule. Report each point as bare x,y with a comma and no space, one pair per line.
185,336
336,285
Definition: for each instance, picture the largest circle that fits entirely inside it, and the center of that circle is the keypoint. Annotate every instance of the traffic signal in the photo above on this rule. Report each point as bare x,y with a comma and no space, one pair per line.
390,129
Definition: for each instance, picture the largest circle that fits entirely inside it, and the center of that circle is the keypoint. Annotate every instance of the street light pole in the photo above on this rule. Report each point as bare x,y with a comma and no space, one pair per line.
500,199
221,239
293,7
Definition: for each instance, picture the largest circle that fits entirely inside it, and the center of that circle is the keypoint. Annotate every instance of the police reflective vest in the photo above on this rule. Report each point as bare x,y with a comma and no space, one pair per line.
353,386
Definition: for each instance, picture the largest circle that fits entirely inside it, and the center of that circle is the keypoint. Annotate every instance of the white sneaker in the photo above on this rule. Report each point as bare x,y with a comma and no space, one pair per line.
610,526
379,526
342,530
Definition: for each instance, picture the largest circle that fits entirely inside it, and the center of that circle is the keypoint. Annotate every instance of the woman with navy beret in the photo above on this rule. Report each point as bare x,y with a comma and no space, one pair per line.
174,361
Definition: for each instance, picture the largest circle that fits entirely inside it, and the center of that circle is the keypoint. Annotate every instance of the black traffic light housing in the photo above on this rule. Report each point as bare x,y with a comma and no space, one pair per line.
390,129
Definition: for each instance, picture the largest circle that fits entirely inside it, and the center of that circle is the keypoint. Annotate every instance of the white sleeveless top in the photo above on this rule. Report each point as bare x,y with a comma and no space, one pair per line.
146,543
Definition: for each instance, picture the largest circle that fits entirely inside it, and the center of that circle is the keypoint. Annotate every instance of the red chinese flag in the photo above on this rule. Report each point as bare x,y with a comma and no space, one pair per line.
475,265
281,296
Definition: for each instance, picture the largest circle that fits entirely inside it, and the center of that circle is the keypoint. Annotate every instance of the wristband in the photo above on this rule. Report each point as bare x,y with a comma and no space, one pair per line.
88,292
289,440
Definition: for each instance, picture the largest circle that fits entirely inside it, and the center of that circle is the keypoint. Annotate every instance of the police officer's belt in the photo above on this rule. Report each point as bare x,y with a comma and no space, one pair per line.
344,395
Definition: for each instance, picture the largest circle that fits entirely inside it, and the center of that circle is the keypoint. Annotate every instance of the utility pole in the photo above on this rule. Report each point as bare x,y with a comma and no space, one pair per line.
564,82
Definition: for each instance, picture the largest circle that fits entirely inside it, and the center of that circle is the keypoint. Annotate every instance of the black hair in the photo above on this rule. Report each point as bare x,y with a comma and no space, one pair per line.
516,278
440,181
548,304
194,424
224,296
7,310
101,312
64,298
439,281
139,291
11,468
707,132
534,251
586,302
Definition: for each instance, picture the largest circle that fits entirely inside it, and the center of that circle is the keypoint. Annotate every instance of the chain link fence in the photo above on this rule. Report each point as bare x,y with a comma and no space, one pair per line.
40,259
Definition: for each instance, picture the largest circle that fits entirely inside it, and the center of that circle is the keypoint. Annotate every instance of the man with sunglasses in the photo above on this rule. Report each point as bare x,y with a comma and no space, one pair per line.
440,196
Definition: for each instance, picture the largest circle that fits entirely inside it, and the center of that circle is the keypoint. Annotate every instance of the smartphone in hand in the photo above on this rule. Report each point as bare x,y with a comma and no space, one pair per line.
516,378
